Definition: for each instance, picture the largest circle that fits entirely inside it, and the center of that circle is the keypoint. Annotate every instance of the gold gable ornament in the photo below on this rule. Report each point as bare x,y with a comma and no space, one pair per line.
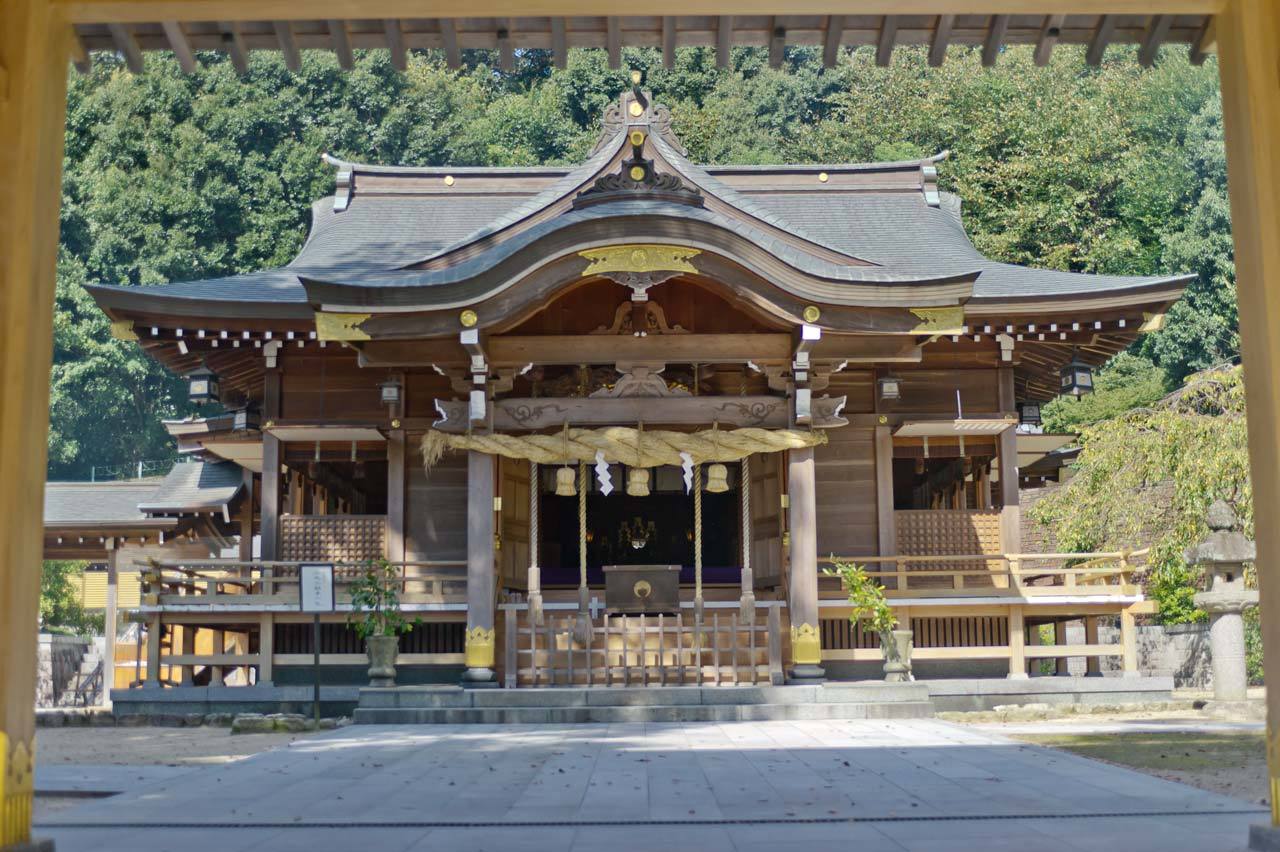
340,327
639,258
939,320
123,330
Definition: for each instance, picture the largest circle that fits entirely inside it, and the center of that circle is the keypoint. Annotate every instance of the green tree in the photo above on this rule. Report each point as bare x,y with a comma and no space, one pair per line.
60,607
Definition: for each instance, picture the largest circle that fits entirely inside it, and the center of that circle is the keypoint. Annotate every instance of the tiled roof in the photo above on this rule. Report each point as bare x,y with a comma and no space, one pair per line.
188,487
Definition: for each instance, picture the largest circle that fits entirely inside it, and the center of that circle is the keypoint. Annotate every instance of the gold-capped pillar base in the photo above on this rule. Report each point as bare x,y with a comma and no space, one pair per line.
17,787
479,648
806,646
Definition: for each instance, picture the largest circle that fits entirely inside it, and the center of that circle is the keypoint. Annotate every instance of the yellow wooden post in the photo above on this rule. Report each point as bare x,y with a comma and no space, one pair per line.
1248,32
34,45
1128,642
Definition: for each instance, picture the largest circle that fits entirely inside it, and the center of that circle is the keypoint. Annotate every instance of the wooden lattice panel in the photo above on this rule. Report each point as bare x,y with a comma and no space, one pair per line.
332,538
944,532
839,634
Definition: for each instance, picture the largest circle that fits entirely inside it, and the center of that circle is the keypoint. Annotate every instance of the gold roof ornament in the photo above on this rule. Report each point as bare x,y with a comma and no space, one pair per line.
812,313
468,318
639,258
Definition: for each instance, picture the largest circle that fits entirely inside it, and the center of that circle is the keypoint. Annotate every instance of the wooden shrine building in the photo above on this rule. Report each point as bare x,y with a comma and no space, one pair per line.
611,421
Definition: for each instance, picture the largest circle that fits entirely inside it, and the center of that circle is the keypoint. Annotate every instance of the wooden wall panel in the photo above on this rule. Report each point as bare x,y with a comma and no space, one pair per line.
766,519
859,388
513,558
436,509
845,470
318,386
934,392
333,538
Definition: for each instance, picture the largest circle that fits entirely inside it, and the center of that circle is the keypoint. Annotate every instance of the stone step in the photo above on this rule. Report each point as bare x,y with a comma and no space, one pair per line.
531,715
451,697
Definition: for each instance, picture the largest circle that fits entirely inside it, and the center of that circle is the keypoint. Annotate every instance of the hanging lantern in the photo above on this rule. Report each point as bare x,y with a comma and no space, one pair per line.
717,478
1029,414
565,482
637,482
390,391
1077,377
890,388
202,385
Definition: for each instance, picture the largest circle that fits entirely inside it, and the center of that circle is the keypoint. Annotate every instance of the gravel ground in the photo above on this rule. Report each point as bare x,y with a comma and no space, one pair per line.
152,746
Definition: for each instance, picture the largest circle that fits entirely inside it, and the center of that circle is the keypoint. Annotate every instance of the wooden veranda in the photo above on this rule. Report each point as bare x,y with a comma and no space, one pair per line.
39,38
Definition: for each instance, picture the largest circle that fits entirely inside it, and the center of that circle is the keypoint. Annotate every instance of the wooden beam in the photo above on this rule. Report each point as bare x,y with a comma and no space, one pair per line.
613,40
1204,43
1049,35
888,36
995,38
180,46
941,35
341,41
395,43
1247,35
396,464
133,11
1156,32
777,45
668,41
127,45
1101,38
233,41
506,50
35,46
449,35
724,41
885,518
288,45
79,55
559,44
831,40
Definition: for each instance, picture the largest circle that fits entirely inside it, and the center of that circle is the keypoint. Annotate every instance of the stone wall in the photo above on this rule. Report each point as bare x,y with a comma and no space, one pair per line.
1180,651
58,660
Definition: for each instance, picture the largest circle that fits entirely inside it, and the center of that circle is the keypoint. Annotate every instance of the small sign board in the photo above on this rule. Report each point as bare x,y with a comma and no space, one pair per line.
316,585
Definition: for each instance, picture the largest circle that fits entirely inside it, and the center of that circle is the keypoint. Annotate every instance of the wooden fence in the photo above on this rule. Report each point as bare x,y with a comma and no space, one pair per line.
640,650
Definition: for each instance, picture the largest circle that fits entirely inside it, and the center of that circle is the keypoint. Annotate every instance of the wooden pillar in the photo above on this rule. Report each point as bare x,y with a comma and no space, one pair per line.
480,578
1247,33
188,648
1129,642
109,621
1093,665
395,495
1060,638
1011,513
888,536
266,648
34,46
806,643
1016,644
246,516
155,633
269,545
219,647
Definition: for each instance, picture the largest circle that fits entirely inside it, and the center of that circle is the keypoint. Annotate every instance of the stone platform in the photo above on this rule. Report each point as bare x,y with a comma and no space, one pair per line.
552,705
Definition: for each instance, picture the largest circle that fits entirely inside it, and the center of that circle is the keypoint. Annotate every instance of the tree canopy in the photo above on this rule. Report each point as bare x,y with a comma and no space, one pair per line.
172,177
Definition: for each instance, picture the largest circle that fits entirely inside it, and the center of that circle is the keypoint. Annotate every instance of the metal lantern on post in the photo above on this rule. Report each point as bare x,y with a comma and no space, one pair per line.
390,390
1029,414
1076,376
202,385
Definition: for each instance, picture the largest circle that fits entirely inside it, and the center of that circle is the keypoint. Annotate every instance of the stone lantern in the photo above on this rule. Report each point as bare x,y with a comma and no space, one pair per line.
1223,555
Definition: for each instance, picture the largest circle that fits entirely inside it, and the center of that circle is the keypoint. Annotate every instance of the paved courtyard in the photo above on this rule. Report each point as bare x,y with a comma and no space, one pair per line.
864,785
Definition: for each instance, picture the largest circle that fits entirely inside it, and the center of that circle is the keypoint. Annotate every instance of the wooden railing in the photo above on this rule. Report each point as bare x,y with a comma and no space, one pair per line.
262,583
1005,574
640,650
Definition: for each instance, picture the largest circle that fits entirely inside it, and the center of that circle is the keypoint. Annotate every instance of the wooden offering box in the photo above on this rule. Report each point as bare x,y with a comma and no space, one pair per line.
642,588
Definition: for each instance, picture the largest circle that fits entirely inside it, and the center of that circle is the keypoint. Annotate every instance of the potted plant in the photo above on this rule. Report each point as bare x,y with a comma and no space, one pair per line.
375,614
872,611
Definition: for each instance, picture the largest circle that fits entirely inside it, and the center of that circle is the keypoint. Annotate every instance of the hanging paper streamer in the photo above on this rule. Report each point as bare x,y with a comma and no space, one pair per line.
686,464
602,473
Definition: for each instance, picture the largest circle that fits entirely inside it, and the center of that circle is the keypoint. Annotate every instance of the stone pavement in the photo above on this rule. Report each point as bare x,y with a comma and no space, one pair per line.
857,784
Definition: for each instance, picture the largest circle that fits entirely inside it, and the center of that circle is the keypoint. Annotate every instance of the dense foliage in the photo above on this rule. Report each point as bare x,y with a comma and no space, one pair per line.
172,177
60,608
1149,475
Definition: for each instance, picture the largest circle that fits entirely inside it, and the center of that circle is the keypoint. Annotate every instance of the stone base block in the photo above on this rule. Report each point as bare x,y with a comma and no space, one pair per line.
1264,838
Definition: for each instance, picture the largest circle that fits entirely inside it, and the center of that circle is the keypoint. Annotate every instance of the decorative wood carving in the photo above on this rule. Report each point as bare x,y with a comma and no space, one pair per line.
655,321
513,415
639,380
